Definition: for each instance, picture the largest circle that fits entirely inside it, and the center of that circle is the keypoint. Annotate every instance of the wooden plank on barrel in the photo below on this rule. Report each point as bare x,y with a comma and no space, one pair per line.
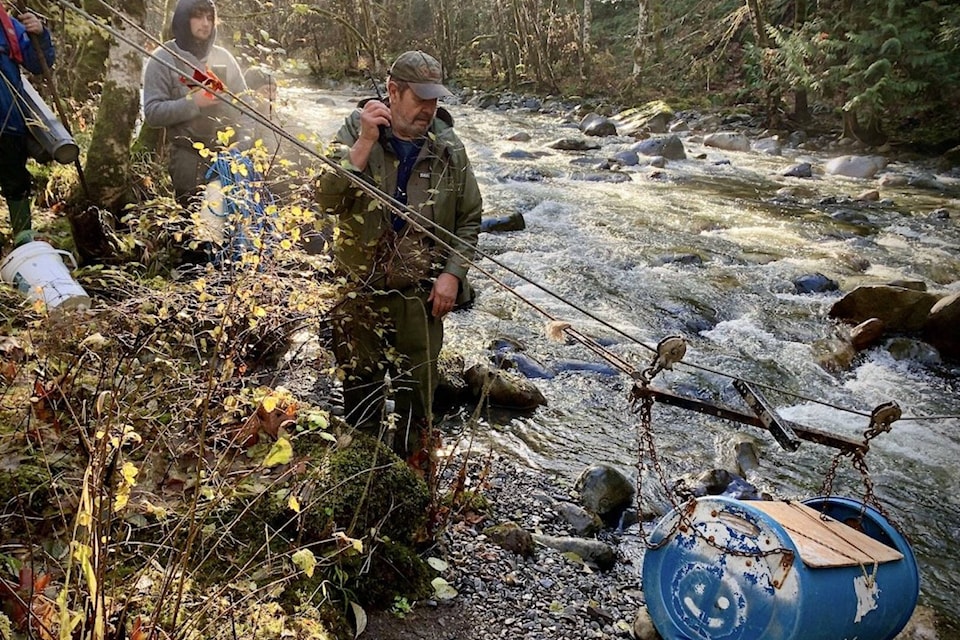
823,541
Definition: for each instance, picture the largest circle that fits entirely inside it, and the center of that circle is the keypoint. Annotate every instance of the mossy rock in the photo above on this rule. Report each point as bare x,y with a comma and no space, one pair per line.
364,486
392,570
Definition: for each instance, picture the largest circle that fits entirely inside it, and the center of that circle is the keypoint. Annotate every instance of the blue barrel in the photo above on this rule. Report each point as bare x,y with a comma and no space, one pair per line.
823,569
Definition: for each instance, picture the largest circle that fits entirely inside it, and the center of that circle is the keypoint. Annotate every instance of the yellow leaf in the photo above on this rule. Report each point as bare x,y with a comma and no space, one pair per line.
129,473
305,560
82,554
293,503
270,403
280,453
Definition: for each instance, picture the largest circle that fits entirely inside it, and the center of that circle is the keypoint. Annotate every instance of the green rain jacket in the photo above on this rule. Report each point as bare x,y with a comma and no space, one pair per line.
441,188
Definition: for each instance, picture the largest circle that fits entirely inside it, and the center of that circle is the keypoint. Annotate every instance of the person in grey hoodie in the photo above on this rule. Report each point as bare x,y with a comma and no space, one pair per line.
179,83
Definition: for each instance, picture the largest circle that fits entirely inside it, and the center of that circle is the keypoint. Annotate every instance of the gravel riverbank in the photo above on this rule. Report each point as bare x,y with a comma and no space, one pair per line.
500,594
549,596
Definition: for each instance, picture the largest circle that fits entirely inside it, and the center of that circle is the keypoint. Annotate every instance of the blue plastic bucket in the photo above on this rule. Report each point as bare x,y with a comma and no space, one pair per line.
729,569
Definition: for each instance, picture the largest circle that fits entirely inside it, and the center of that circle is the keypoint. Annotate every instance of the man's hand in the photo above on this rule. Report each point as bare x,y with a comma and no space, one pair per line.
203,98
444,294
374,115
31,23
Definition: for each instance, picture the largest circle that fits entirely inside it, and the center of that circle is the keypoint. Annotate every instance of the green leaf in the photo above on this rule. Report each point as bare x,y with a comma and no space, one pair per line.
305,561
443,589
437,564
280,453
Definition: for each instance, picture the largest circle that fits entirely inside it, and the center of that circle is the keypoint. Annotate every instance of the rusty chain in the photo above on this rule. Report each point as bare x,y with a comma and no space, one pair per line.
641,403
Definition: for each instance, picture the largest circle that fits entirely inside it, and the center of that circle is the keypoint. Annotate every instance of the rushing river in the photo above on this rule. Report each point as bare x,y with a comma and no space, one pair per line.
601,245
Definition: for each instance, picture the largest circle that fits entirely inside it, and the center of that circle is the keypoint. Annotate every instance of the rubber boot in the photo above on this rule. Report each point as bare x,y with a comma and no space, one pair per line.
20,221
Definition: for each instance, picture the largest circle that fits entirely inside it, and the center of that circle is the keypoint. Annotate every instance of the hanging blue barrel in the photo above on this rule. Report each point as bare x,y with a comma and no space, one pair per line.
822,569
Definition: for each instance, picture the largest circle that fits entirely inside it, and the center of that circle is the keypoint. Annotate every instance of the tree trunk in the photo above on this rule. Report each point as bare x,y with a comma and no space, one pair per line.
443,34
506,38
585,25
108,163
370,35
870,133
759,26
801,107
640,44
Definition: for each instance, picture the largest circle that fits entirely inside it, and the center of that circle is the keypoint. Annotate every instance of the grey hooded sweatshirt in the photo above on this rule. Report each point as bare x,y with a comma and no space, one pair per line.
167,102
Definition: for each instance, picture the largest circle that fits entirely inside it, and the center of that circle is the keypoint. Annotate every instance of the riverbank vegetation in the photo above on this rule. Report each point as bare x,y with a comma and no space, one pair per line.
168,465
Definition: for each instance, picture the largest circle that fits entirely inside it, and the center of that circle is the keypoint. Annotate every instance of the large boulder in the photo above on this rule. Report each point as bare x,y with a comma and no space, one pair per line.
856,166
596,125
899,308
728,141
942,327
573,144
362,485
670,147
503,388
651,117
605,491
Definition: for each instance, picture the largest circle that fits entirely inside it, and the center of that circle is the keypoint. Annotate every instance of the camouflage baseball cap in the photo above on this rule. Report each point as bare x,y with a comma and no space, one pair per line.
422,72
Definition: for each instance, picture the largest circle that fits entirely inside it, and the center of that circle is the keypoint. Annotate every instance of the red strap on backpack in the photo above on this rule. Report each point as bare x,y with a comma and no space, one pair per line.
13,43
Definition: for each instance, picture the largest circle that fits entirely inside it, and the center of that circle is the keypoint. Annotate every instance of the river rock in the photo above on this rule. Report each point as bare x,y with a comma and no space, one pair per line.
867,333
518,154
870,195
605,491
573,144
615,177
771,146
728,141
800,170
892,180
511,222
503,388
651,117
596,125
526,174
902,310
916,285
814,283
626,158
942,327
520,136
951,157
511,537
670,147
855,166
926,181
643,628
582,521
911,350
591,551
740,454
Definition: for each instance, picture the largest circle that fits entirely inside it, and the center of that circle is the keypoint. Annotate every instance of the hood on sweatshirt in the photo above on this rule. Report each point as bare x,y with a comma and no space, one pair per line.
180,26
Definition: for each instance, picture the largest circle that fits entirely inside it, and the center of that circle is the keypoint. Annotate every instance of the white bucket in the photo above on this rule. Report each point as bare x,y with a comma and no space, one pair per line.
37,270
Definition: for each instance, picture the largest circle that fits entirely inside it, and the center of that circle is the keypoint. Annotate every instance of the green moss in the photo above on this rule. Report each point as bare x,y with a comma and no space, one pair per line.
27,487
365,486
392,570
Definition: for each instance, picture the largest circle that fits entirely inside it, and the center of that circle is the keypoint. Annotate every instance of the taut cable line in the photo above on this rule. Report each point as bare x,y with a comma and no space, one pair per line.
429,228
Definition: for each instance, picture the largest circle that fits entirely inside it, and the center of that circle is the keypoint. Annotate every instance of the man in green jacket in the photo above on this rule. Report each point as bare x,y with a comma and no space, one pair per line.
403,281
